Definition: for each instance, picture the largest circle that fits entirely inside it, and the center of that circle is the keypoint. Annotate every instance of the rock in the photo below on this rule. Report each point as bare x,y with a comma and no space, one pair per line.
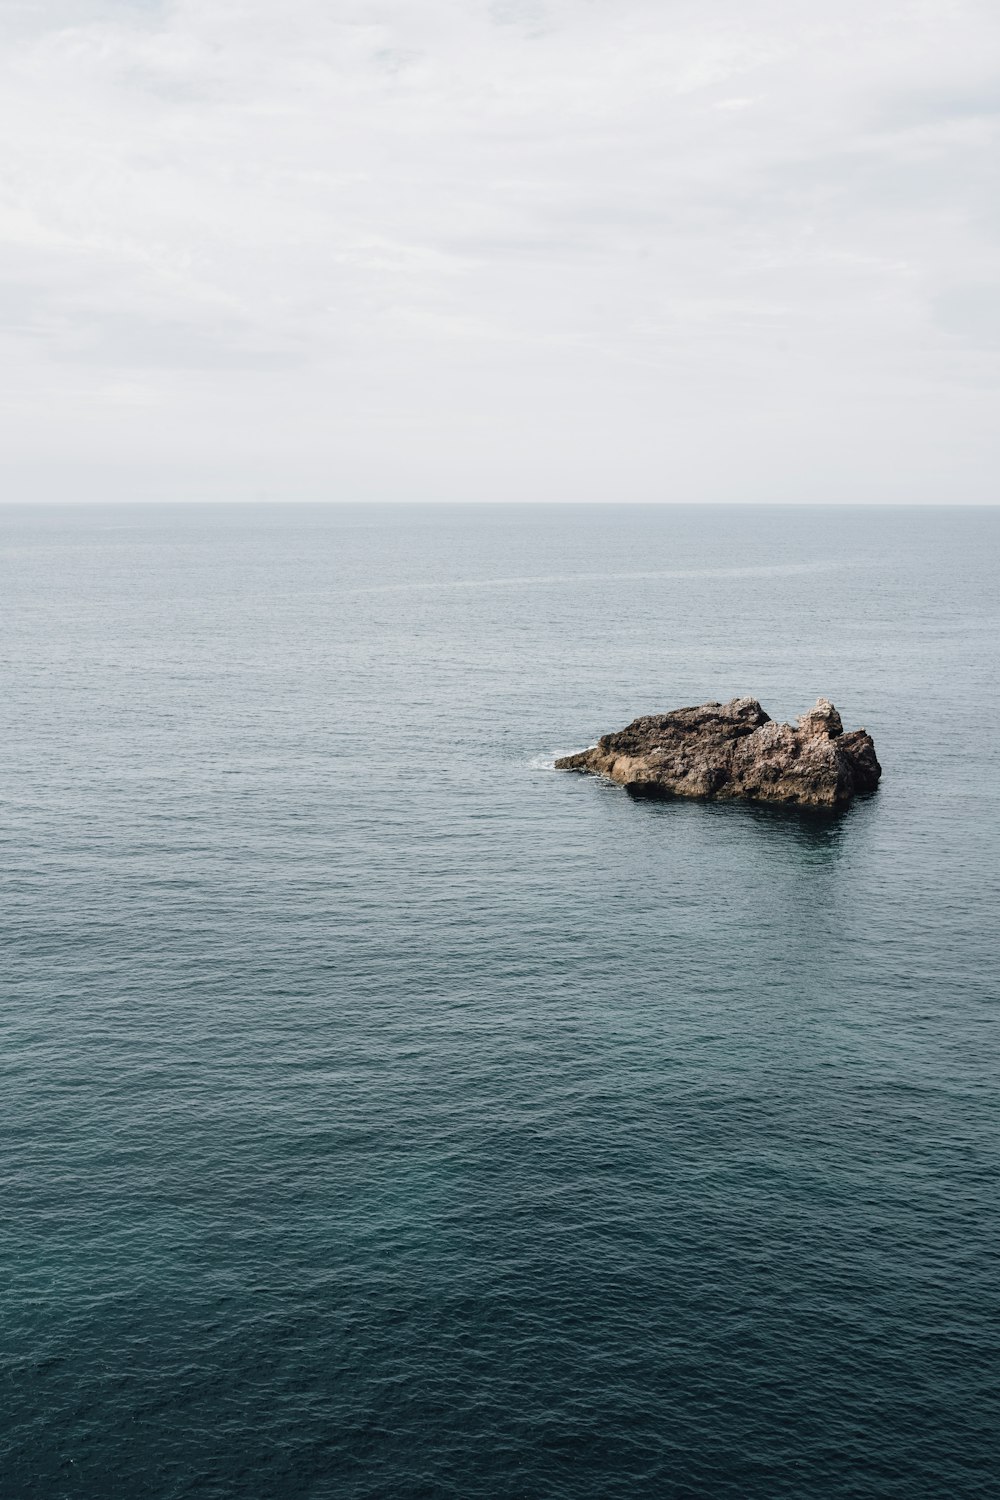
734,750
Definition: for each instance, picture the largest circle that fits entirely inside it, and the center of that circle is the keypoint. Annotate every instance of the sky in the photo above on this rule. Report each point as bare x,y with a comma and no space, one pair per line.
482,250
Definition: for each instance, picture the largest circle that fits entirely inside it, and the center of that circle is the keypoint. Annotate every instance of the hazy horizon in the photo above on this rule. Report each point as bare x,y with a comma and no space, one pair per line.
519,251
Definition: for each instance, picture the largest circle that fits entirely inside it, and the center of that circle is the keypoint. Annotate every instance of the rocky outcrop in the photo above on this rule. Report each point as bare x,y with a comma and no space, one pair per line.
729,750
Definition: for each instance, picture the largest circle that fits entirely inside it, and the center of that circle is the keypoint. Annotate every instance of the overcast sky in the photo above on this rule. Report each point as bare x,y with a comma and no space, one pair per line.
529,249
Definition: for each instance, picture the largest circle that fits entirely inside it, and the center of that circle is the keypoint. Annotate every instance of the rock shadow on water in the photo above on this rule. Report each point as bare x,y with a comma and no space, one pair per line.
816,828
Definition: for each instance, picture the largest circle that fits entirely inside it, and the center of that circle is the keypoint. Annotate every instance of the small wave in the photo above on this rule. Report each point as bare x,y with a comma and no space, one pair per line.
544,580
548,762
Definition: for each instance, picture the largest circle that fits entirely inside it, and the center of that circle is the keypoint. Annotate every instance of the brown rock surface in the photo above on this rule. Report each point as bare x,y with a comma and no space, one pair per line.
729,750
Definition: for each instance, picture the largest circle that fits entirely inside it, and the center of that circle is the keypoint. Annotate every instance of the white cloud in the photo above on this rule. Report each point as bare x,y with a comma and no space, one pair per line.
579,248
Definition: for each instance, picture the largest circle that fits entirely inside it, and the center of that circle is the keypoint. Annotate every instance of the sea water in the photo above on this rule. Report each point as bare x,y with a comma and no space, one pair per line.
387,1116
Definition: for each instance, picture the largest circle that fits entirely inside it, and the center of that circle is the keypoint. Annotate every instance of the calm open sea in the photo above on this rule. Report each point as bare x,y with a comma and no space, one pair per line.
386,1116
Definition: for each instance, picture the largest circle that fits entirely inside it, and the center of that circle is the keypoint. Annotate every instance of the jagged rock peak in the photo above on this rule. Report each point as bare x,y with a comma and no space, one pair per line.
822,720
735,750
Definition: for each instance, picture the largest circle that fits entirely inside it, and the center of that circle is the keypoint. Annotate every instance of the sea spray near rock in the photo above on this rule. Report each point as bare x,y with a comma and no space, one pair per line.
735,750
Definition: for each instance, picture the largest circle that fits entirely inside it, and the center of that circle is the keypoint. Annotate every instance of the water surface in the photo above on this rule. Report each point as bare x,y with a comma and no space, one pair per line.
386,1115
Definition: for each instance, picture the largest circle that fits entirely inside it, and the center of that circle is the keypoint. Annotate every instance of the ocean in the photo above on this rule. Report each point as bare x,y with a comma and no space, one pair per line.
387,1116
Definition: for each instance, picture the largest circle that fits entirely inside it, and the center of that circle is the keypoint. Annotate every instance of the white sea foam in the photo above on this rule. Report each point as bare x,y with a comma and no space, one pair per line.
543,762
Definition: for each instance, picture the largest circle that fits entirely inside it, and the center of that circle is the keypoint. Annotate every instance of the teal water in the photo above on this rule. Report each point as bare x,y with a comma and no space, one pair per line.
386,1116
